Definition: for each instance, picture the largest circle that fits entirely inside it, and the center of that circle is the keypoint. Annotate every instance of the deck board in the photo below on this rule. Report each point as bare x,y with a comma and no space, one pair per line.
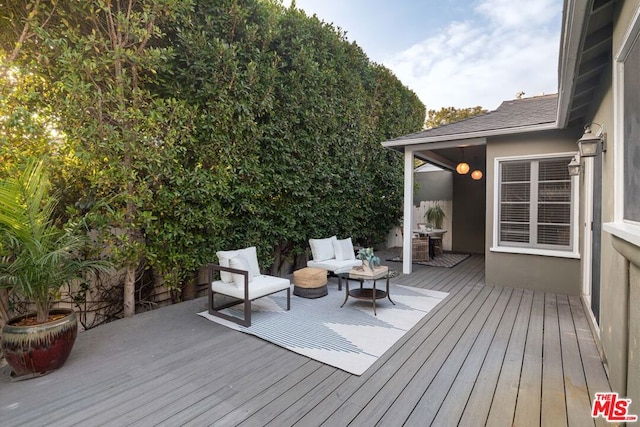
392,375
554,411
421,371
452,409
595,376
502,369
527,411
369,384
578,403
486,355
456,376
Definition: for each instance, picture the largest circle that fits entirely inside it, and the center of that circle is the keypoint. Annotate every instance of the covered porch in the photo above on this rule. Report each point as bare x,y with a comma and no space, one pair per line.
487,355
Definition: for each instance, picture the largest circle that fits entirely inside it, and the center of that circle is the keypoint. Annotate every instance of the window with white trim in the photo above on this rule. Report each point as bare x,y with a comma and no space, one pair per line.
535,204
631,135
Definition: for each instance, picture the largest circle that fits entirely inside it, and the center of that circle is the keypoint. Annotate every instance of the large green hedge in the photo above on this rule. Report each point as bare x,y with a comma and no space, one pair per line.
234,123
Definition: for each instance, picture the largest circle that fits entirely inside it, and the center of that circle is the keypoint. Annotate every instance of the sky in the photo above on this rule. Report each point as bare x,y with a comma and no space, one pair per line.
458,53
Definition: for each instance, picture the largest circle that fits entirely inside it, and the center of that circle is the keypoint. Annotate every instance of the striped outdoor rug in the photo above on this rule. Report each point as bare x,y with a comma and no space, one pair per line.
443,260
350,338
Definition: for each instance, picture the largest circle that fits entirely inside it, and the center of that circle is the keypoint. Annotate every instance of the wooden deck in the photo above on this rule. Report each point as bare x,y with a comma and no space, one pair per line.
485,356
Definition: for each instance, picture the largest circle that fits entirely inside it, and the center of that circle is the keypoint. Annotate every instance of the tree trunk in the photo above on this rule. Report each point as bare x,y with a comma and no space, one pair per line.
129,304
42,312
4,307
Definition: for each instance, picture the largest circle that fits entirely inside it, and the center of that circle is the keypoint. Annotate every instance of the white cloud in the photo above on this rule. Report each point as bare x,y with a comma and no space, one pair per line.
485,61
518,13
495,49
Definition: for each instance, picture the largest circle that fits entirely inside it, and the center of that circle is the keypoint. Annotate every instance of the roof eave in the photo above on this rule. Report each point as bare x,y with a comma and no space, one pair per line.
469,135
573,27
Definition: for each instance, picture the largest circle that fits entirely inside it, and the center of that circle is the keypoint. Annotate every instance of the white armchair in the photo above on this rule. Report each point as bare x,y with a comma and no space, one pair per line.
336,256
240,279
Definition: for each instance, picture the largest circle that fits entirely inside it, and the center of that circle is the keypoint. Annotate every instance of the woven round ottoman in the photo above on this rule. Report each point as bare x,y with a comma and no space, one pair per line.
310,282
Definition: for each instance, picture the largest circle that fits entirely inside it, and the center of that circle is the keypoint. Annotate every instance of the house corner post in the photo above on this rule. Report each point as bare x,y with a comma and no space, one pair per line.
407,223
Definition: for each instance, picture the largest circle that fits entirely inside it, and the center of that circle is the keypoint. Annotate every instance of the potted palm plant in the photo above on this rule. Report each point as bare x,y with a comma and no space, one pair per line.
37,258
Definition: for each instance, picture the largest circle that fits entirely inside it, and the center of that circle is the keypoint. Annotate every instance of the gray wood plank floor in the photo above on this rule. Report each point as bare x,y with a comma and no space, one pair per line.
486,355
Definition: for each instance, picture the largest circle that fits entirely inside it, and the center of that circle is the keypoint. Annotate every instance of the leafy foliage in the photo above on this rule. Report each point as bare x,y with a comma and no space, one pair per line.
435,215
37,257
210,125
448,115
366,254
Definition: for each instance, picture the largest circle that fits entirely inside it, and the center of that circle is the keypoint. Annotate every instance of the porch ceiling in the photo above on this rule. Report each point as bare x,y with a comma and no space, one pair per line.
449,157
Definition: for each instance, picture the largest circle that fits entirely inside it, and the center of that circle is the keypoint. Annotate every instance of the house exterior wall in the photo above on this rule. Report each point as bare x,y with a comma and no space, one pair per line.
614,311
536,272
437,185
619,325
468,214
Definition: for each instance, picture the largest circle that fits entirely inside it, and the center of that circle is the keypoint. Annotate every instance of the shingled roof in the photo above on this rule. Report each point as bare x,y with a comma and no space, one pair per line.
526,114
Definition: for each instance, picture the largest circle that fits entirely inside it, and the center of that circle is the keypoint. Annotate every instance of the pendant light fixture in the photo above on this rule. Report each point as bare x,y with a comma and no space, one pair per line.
476,174
463,167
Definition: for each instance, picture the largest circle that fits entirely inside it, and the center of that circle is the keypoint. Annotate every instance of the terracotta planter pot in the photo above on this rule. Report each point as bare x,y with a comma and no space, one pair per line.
35,350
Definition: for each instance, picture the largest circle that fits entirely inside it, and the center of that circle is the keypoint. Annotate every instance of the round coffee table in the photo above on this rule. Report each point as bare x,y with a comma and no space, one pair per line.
363,293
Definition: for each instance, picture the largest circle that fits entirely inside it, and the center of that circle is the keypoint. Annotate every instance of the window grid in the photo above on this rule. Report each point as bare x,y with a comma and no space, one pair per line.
535,208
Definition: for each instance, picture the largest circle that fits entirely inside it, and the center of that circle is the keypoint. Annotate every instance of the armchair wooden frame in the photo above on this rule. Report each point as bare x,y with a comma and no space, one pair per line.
215,310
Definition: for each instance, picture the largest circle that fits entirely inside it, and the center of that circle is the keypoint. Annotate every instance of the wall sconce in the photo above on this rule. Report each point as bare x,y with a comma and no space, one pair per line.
588,144
574,166
463,167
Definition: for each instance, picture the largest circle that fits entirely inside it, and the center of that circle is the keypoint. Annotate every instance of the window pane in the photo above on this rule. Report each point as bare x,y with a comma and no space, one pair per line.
554,213
516,171
516,233
535,209
515,195
631,156
514,212
554,235
554,203
554,170
515,192
559,191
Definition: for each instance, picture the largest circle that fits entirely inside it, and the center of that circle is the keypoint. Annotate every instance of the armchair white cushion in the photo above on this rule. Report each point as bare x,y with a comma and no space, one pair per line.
240,263
250,255
320,251
240,279
344,249
223,260
260,286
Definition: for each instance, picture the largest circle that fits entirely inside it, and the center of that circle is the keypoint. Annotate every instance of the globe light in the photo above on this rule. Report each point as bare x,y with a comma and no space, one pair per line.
462,168
476,174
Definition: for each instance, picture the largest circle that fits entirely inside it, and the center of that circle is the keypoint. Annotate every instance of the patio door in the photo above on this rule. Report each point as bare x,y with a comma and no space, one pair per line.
596,232
592,234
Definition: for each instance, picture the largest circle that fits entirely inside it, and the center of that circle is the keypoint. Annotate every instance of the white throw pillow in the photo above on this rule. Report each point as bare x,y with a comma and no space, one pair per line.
322,249
251,256
344,249
240,263
223,260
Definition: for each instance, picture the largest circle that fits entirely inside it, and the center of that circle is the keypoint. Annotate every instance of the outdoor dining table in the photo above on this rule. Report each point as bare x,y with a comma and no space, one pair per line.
434,232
